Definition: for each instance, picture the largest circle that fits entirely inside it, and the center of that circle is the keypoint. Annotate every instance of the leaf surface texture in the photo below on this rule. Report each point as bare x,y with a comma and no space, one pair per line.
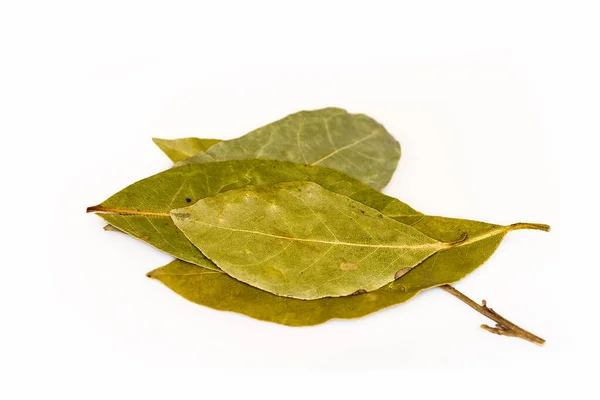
222,292
353,143
301,240
142,209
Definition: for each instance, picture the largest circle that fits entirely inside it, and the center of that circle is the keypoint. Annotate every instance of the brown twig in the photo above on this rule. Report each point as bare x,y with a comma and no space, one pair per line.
503,326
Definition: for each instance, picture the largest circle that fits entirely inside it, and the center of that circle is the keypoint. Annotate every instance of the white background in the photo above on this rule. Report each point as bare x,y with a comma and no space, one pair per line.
495,105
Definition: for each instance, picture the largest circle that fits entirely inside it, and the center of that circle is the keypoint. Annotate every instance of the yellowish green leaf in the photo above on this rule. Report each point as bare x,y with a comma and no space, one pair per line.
300,240
330,137
142,209
219,291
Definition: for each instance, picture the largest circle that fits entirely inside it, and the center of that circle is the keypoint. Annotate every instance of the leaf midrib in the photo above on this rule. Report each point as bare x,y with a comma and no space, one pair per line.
437,244
102,209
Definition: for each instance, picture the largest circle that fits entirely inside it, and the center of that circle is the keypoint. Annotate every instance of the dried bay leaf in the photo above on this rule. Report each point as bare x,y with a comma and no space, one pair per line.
142,209
180,149
330,137
219,291
301,240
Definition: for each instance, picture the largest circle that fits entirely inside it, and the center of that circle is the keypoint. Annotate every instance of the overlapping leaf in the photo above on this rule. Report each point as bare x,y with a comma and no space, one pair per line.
331,137
301,240
371,157
142,209
221,292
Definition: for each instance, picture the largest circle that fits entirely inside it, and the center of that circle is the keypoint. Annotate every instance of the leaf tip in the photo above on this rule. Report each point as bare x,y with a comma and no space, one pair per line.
93,209
151,274
527,225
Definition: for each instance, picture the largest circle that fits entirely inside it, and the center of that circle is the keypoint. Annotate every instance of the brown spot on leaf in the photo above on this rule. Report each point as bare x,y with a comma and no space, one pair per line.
401,272
348,266
188,200
359,291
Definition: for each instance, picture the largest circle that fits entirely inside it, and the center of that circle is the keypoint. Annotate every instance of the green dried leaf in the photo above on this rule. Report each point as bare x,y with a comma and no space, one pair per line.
221,292
180,149
331,137
301,240
142,209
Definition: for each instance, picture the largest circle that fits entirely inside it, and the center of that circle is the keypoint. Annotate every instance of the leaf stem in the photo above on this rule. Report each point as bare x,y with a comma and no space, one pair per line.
528,225
503,326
